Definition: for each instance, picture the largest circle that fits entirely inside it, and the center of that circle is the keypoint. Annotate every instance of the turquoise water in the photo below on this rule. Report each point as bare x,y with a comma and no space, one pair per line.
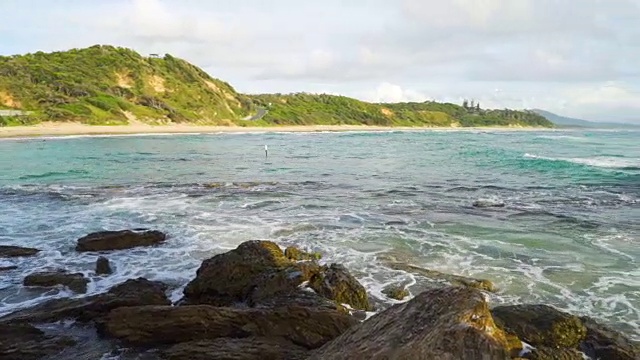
568,234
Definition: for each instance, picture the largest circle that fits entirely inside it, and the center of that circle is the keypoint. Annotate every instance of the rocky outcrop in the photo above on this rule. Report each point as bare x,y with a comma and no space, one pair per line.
8,251
76,282
481,284
153,325
250,348
119,240
336,283
102,266
136,292
541,325
228,278
293,253
546,353
605,343
396,292
25,342
447,323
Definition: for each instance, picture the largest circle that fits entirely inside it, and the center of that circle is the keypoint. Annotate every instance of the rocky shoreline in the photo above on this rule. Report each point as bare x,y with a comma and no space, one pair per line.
260,301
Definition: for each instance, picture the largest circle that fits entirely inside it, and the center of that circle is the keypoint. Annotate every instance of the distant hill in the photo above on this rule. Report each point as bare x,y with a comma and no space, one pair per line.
309,109
110,85
572,122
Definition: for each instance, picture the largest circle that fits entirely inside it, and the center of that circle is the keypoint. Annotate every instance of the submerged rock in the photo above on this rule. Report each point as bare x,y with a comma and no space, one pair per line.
447,323
488,203
25,342
541,325
396,292
605,343
250,348
130,293
102,266
76,282
336,283
153,325
8,251
118,240
481,284
293,253
8,268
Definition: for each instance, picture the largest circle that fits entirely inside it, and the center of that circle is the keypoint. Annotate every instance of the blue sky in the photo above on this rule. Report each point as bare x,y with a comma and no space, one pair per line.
575,57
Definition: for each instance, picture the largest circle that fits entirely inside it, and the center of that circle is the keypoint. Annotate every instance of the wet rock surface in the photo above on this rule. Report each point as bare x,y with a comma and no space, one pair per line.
541,325
251,348
152,325
25,342
293,253
336,283
76,282
481,284
119,240
130,293
603,342
448,323
103,267
396,292
547,353
9,251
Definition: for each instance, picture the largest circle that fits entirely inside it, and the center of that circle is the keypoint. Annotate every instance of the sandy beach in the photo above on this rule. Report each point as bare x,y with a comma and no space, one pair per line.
66,129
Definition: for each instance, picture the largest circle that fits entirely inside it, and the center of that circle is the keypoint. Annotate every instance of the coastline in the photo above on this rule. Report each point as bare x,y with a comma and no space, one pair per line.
70,129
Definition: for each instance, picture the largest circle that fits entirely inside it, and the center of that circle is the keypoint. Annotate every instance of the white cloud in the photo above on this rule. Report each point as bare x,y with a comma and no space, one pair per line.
387,92
540,53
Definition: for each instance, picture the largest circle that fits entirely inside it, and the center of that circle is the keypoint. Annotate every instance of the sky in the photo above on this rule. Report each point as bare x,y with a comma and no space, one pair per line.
578,58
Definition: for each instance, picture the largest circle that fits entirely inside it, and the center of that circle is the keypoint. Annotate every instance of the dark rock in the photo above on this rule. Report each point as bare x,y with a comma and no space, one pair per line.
541,325
277,282
118,240
446,323
25,342
102,266
546,353
153,325
252,272
301,298
136,292
396,292
293,253
605,343
8,251
76,282
8,268
336,283
488,203
237,349
480,284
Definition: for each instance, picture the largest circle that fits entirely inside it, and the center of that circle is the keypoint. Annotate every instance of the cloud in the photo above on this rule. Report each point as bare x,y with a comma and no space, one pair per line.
536,52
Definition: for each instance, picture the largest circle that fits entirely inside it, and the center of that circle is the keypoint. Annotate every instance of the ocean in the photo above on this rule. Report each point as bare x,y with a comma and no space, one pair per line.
566,233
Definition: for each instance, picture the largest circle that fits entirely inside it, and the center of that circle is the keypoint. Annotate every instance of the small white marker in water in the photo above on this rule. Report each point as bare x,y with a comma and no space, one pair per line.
266,151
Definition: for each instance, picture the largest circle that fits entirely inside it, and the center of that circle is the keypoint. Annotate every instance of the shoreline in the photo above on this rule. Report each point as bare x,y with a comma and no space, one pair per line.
70,129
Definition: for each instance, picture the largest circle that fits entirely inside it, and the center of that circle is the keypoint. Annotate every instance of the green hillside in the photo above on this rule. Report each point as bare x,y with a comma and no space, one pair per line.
110,85
307,109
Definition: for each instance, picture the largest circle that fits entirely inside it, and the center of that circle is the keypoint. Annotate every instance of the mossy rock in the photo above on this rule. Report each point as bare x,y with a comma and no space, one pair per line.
541,325
336,283
396,292
293,253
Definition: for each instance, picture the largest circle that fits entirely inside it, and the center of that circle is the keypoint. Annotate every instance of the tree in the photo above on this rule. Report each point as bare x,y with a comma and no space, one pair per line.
478,106
465,104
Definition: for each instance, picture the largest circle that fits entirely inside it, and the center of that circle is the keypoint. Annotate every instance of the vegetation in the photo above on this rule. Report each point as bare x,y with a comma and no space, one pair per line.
110,85
307,109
